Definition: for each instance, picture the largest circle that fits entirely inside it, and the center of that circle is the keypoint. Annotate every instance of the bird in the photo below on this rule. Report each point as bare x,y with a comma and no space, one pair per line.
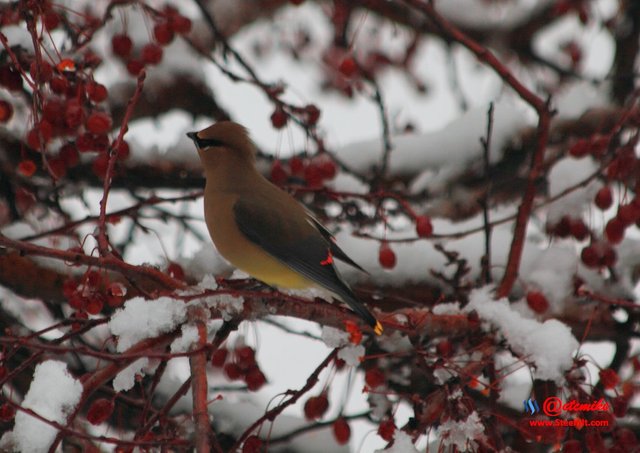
261,229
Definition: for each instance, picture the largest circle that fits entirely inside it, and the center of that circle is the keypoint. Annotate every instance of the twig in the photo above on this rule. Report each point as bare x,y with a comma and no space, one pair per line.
199,387
103,242
486,147
271,414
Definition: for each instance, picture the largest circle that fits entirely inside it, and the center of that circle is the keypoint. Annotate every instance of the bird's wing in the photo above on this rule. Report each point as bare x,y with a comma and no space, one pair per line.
335,249
295,243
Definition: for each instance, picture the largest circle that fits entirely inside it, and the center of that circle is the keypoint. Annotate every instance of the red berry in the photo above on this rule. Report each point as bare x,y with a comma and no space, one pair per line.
135,67
386,429
84,143
77,302
609,378
316,406
578,229
614,230
95,304
97,92
99,123
348,67
424,228
180,24
59,85
218,357
328,169
100,165
537,301
39,135
279,118
115,294
122,46
599,144
66,65
6,111
175,271
374,377
278,173
313,175
563,228
69,287
255,379
93,278
151,54
50,20
163,33
628,213
57,167
7,412
245,357
590,256
341,431
604,198
100,411
444,348
27,168
386,256
74,114
53,111
296,165
232,371
253,444
580,148
123,150
312,113
42,72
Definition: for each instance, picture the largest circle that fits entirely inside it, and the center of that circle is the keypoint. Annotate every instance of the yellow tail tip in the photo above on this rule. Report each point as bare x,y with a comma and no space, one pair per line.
378,328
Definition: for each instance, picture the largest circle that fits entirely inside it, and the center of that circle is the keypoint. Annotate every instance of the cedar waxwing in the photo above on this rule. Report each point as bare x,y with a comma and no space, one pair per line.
261,229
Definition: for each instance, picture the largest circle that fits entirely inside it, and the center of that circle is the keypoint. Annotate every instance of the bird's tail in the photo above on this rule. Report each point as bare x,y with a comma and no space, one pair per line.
358,307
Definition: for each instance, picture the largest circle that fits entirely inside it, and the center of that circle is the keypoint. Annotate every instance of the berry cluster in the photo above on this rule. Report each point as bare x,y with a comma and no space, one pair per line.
89,295
169,23
314,171
240,364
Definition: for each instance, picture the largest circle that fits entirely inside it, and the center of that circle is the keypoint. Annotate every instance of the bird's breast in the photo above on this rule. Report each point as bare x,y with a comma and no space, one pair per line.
236,248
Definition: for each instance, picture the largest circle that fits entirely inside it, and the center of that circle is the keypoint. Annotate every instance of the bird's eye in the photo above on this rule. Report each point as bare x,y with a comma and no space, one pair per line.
208,142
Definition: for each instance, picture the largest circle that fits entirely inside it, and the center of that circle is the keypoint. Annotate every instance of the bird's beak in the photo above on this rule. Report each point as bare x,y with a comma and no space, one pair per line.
193,136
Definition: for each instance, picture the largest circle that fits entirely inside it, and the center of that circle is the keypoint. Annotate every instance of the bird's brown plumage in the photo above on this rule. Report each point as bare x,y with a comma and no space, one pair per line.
261,229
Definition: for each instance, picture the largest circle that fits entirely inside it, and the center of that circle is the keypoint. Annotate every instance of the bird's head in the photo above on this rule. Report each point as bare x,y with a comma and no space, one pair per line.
223,141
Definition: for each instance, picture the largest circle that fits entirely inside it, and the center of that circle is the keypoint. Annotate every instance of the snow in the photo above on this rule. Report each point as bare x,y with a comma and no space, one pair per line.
206,261
402,443
567,173
334,338
549,345
352,354
447,150
379,404
550,271
185,341
31,435
481,15
395,342
462,434
126,378
141,318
